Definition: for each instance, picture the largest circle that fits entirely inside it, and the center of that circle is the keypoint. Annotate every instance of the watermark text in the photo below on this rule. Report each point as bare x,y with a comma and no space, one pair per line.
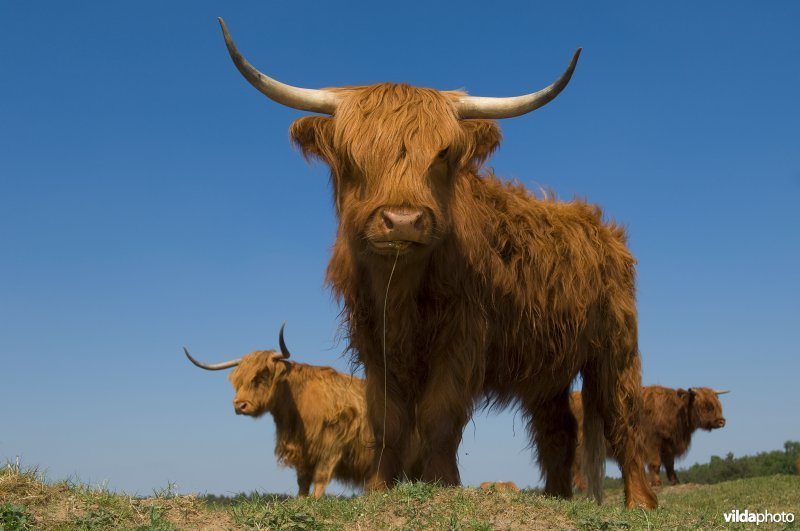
763,517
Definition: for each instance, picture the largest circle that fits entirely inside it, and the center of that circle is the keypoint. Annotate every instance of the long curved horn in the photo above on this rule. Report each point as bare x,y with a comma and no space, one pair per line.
213,366
721,392
282,343
482,107
304,99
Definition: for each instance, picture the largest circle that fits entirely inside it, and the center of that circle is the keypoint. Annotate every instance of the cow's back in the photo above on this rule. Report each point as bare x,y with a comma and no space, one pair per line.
552,259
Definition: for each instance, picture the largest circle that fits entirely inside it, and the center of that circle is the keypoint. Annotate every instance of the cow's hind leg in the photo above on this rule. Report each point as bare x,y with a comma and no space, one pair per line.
554,430
654,470
578,479
669,465
578,472
617,393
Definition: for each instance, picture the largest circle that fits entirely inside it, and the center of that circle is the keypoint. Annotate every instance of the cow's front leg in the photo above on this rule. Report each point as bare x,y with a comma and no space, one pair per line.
388,416
323,474
442,413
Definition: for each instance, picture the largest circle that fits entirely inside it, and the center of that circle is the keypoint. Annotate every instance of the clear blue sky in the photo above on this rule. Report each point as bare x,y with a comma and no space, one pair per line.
150,199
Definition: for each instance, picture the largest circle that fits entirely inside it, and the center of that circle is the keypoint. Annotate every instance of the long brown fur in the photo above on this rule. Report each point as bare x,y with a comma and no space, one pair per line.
669,418
509,298
320,418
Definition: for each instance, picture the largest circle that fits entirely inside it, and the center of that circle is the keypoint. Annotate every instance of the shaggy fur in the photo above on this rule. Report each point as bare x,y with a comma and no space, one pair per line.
320,418
669,418
499,486
503,295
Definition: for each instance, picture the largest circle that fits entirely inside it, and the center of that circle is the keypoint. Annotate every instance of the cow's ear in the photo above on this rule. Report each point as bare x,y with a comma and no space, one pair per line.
313,135
482,138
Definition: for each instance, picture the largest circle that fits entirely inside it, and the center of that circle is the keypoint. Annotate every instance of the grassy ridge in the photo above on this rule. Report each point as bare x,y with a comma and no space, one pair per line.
28,502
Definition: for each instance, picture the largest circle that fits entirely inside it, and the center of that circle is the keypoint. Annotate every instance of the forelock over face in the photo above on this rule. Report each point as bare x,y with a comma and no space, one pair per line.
394,128
395,152
253,382
707,408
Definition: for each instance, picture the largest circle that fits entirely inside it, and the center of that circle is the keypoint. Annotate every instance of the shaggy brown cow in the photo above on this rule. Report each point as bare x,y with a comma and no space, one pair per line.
669,418
457,285
320,417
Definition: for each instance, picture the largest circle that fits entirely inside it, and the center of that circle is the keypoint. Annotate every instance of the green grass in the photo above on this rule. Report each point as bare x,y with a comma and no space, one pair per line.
698,506
27,501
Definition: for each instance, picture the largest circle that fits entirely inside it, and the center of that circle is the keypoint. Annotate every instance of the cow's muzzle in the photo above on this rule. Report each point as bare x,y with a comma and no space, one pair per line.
399,230
719,423
242,407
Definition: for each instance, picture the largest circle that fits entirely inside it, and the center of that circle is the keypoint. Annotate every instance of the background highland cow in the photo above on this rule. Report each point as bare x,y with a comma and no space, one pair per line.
320,415
669,418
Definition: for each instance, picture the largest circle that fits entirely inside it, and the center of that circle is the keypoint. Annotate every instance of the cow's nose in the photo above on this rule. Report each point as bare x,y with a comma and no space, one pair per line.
720,422
240,406
403,224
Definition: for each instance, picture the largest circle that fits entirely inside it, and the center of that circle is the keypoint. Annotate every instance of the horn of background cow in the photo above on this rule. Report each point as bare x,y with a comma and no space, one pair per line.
483,107
721,392
282,343
312,100
213,366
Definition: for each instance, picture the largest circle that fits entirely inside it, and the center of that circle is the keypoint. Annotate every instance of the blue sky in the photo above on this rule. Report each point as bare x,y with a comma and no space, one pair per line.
150,199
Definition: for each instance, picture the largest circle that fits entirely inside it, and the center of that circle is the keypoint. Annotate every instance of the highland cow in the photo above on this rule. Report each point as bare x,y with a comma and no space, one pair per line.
457,286
320,416
669,418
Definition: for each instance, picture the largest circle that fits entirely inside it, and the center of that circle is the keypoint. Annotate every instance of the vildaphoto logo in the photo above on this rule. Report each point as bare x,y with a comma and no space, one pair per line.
764,517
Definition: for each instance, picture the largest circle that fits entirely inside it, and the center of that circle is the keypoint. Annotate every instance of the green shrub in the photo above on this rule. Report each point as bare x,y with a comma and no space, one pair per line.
720,469
15,517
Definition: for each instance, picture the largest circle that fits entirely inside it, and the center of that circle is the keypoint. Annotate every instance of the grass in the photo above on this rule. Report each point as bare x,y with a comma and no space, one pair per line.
28,501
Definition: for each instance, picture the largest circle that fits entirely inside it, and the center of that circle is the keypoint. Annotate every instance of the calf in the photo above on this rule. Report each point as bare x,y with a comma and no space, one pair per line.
320,415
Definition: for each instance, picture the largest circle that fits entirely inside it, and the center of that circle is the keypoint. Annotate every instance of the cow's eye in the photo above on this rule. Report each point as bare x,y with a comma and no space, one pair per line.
443,153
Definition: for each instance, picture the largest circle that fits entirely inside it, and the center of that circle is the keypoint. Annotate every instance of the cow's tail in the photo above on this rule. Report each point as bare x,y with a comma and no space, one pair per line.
594,447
